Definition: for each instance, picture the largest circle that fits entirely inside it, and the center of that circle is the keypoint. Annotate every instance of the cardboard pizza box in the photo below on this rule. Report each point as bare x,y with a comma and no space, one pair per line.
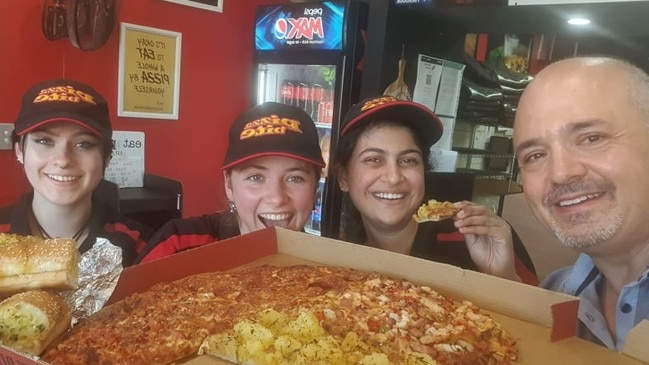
543,321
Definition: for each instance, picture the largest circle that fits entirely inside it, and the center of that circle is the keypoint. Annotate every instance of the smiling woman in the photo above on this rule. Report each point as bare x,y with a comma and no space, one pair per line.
271,171
63,139
380,165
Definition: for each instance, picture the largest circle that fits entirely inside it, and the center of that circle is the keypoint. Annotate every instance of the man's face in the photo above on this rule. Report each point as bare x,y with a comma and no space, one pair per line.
581,146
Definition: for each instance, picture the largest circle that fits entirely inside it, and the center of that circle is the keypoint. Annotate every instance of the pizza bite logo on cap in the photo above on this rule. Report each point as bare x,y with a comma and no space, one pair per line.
64,94
271,125
373,103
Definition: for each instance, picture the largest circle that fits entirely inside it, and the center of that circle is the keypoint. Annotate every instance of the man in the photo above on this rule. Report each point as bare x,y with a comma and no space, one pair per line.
581,138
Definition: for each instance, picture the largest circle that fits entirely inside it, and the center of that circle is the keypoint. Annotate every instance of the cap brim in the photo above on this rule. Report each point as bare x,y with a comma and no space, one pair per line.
320,163
60,119
419,116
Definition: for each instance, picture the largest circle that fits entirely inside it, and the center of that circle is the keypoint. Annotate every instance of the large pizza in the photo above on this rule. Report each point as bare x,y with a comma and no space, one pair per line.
298,314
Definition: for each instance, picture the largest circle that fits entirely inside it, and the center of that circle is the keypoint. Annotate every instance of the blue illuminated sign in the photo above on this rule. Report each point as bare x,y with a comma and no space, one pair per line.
300,26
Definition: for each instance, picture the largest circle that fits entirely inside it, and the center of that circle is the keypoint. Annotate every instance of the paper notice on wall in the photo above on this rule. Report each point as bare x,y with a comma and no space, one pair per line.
438,85
446,140
126,168
442,160
450,85
429,73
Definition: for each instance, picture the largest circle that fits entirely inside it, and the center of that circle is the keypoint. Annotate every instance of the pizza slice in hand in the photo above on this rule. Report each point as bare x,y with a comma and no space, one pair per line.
435,211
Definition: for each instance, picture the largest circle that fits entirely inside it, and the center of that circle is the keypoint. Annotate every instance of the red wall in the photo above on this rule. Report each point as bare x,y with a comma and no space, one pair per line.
215,86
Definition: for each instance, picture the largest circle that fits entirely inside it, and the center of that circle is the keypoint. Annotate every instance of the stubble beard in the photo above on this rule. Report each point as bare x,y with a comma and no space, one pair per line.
585,230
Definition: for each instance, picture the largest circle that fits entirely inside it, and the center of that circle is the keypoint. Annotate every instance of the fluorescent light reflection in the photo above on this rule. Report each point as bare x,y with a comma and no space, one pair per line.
261,83
578,21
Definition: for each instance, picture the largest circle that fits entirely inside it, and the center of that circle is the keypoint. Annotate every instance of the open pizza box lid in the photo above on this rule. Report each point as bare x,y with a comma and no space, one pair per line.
542,320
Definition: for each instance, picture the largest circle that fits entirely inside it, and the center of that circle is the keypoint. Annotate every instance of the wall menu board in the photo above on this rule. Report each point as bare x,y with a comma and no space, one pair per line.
149,72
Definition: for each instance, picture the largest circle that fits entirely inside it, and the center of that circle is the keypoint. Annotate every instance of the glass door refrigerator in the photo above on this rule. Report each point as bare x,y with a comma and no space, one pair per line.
309,55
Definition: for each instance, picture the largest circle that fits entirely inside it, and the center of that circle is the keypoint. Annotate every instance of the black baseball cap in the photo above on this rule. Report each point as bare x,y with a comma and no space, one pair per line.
273,129
67,100
390,108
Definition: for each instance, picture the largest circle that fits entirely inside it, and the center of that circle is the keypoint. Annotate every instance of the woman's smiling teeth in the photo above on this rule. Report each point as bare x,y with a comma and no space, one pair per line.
578,200
63,178
273,218
389,196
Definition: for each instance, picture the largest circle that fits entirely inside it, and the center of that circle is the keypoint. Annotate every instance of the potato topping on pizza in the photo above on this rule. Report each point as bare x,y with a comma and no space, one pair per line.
434,210
288,315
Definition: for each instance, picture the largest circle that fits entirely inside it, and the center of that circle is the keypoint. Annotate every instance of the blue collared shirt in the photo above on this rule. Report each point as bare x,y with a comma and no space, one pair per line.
582,280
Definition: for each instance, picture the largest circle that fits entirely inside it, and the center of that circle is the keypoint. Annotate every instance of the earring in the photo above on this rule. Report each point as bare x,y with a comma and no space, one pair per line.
232,208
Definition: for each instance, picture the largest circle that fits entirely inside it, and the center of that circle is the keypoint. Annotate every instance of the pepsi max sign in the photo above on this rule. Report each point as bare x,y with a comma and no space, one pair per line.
295,31
300,26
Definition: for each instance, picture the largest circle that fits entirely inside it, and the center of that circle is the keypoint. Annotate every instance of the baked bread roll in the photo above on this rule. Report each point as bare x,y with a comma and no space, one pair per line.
31,320
28,262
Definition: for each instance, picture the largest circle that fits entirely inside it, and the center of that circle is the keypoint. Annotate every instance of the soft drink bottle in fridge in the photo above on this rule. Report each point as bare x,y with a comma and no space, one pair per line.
288,92
317,96
302,95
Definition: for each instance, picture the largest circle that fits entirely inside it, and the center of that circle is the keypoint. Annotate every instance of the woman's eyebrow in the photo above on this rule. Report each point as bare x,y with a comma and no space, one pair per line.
372,149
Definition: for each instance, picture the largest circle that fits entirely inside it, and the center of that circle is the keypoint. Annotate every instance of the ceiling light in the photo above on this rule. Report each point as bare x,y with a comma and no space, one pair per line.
578,21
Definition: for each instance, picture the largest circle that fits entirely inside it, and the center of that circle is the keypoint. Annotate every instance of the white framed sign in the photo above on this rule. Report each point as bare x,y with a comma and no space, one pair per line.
212,5
149,72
